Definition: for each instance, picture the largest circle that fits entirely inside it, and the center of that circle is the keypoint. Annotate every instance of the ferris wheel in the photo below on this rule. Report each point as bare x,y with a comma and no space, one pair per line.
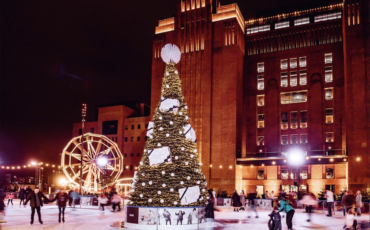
102,162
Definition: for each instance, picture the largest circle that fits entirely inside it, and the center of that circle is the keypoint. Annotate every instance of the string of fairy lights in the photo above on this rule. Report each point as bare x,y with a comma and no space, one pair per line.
42,165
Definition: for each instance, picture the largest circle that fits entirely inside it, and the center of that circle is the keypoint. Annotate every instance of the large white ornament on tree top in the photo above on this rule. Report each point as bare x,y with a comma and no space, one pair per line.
169,105
190,133
150,129
171,53
159,156
189,195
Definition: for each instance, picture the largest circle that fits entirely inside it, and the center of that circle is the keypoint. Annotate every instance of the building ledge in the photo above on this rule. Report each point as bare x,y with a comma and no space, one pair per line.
165,25
274,161
227,12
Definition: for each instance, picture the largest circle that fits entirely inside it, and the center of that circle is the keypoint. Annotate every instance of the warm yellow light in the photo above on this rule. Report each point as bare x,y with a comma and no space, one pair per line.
319,159
230,166
329,147
7,167
251,166
284,160
260,150
210,166
263,164
331,159
358,159
13,167
33,163
127,167
220,166
241,166
273,162
307,158
53,166
2,167
47,164
344,159
62,181
19,167
29,165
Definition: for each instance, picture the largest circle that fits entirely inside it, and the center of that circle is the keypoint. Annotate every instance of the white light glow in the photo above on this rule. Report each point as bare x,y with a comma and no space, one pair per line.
295,157
102,161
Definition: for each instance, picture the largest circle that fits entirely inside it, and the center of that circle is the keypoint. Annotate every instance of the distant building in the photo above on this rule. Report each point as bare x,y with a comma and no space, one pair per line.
292,79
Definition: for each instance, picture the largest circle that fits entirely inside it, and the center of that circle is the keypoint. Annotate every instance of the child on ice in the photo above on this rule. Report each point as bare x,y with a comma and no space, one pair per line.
275,216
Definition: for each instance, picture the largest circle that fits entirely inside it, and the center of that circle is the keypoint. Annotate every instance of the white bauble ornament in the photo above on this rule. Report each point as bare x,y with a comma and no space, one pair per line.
201,198
150,182
196,170
163,172
191,155
203,190
186,117
167,73
159,144
143,174
186,163
167,86
175,203
143,184
160,128
172,174
141,195
207,197
200,163
162,200
132,190
171,189
198,182
176,72
205,183
160,118
195,150
176,157
171,122
188,177
162,98
163,185
180,132
180,113
167,135
131,202
182,148
150,200
186,107
141,163
144,150
159,192
181,182
170,53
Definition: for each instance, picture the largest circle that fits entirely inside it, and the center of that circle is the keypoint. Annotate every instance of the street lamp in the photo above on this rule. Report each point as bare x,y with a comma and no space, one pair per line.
296,158
102,163
63,182
84,108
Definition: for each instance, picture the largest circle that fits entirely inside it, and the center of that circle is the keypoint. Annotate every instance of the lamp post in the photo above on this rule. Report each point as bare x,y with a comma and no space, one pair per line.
84,108
37,174
296,158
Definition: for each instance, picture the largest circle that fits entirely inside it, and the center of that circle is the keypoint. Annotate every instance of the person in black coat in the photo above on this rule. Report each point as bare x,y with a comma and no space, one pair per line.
180,217
62,198
252,195
22,195
36,202
236,201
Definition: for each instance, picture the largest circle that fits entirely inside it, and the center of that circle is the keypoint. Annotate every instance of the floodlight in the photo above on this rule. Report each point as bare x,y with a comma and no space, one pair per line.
102,161
295,157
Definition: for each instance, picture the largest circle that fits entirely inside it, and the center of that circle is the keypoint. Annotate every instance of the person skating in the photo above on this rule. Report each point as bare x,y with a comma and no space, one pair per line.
210,212
62,198
358,203
2,209
116,201
103,200
75,196
36,202
351,222
344,202
275,216
22,195
236,201
242,199
329,201
70,197
310,201
10,198
180,217
252,195
214,196
167,216
289,210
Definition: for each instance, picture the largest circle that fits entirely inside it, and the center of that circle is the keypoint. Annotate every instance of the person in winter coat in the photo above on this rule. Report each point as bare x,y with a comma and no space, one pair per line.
252,195
103,200
180,217
236,201
70,198
75,196
2,209
275,216
22,195
344,202
358,203
289,210
36,202
10,198
210,212
351,222
62,198
242,198
116,201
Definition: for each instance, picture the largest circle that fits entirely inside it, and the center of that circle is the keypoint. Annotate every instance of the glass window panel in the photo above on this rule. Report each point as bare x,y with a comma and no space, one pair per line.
329,94
280,25
260,82
260,141
257,29
328,58
284,80
261,121
301,21
293,97
261,67
284,121
284,174
303,77
294,139
284,140
302,62
304,174
294,174
303,138
293,63
260,175
284,64
329,173
293,78
326,17
293,120
329,137
329,116
260,100
328,74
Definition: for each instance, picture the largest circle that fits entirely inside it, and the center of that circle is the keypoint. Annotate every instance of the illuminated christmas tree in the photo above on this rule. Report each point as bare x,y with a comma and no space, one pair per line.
169,174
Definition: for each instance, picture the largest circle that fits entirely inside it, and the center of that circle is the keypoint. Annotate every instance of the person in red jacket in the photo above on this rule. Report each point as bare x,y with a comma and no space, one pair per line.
62,198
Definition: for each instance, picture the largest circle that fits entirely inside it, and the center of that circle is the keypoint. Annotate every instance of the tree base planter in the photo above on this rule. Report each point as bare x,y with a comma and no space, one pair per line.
166,218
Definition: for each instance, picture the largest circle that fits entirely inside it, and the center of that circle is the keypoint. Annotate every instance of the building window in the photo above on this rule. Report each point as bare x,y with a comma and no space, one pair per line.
79,131
260,82
293,63
92,130
284,121
326,17
258,29
131,167
146,126
125,155
261,67
303,121
329,116
284,64
293,78
294,139
138,138
260,141
138,126
284,80
303,77
294,174
303,138
293,120
260,100
329,137
301,21
132,139
125,139
284,140
260,175
329,173
328,74
261,121
126,127
304,174
293,97
329,94
132,126
302,62
280,25
284,174
131,155
328,58
138,154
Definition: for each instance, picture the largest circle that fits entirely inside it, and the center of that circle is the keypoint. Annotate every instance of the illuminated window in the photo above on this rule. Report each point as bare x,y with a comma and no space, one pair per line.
303,121
293,120
328,74
294,139
293,63
301,21
260,67
304,174
302,62
258,29
261,121
284,174
284,121
138,126
260,82
329,173
280,25
329,116
284,64
260,141
326,17
328,58
260,175
293,78
284,140
294,174
303,138
260,100
329,94
293,97
329,137
284,80
303,77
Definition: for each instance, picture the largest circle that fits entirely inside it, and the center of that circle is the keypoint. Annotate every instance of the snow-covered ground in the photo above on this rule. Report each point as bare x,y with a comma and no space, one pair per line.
18,218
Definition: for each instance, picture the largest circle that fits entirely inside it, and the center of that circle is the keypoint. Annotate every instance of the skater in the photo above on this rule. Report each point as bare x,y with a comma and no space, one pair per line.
275,216
201,216
252,195
344,203
22,194
289,210
36,202
242,199
214,195
358,203
10,198
180,217
310,201
329,200
74,196
62,198
236,201
210,212
167,216
103,200
2,209
70,197
116,201
351,222
190,216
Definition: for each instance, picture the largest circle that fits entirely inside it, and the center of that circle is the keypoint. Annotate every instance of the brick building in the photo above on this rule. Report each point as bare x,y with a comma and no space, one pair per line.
292,82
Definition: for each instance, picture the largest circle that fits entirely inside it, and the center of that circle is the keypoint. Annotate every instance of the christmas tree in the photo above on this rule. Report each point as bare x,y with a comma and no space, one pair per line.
169,174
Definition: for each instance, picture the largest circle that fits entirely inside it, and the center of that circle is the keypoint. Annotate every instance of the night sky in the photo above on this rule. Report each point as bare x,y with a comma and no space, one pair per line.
55,55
